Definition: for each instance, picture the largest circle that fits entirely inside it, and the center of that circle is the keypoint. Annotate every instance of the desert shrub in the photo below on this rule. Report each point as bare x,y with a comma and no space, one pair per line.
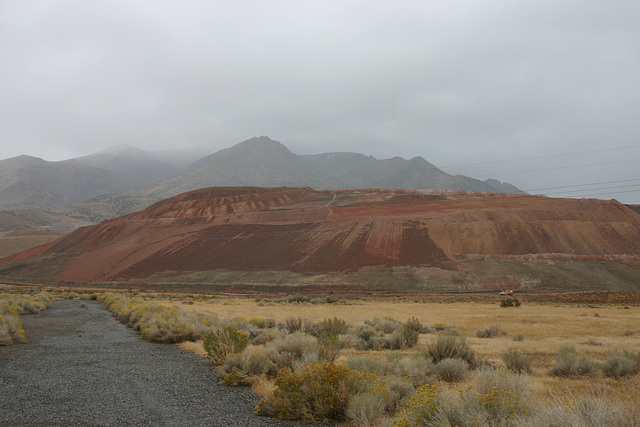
634,357
402,337
490,331
593,341
11,307
298,324
448,346
368,338
11,331
517,337
386,325
329,346
27,304
416,325
423,409
157,322
262,323
333,326
224,341
618,366
495,398
516,362
376,398
265,336
69,295
367,364
243,368
510,302
440,326
317,392
499,396
418,370
451,370
594,411
285,351
569,364
364,409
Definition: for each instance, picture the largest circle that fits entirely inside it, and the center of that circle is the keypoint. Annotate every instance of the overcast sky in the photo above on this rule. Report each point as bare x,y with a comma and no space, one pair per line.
468,85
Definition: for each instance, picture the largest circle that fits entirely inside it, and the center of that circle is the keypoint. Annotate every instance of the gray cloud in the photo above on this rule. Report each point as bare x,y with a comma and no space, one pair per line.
457,82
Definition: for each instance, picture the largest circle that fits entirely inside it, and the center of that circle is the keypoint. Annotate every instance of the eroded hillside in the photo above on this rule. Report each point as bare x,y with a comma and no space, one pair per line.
443,241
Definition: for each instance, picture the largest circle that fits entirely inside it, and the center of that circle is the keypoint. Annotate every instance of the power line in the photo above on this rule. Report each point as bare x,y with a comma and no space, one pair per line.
594,189
582,185
559,167
602,194
544,157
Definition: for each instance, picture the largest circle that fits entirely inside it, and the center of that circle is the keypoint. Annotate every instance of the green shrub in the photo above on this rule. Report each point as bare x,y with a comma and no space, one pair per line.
298,324
569,364
448,346
510,302
329,346
516,362
317,392
451,370
224,341
333,326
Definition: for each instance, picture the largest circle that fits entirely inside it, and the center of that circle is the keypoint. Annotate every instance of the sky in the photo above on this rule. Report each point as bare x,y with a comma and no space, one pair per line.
543,94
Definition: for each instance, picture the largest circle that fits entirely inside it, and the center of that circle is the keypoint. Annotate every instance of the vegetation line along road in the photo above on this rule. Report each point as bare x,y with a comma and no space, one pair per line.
82,367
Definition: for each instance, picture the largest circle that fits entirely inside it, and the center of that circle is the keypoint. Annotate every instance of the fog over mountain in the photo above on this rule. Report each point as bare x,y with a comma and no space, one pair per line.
259,161
543,94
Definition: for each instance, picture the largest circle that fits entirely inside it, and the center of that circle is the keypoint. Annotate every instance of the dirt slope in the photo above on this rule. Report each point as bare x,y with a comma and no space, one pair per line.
320,232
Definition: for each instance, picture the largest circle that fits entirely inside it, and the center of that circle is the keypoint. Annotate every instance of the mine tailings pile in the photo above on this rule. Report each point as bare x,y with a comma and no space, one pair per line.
411,239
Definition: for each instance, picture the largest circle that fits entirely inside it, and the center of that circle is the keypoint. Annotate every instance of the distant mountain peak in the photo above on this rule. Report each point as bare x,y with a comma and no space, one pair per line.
23,159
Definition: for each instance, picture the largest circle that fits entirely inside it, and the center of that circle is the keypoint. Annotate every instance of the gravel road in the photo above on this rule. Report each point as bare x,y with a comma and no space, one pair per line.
82,367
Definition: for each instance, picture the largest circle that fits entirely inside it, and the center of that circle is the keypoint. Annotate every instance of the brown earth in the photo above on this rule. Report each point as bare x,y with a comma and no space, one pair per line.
352,238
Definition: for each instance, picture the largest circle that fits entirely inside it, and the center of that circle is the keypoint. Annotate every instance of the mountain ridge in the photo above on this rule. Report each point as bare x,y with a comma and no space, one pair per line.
258,161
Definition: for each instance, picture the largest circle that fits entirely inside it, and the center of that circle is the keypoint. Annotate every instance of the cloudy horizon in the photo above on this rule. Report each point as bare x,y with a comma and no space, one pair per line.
544,95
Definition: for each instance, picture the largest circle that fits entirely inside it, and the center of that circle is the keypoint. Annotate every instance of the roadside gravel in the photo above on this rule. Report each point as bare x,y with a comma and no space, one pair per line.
82,367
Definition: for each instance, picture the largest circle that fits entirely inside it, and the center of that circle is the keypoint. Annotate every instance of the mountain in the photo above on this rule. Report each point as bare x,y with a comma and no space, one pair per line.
357,240
30,181
132,165
261,161
256,162
69,217
264,162
359,171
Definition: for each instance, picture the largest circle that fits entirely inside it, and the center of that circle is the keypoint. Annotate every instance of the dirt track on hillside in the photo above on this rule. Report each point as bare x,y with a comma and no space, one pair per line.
82,367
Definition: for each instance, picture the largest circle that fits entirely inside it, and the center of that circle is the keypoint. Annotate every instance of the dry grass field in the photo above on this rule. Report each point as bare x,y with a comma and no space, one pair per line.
593,330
